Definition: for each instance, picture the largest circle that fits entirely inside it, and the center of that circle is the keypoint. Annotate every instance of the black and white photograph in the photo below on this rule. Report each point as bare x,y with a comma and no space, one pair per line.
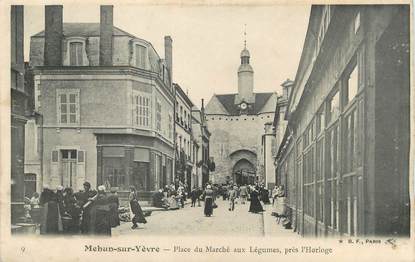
243,121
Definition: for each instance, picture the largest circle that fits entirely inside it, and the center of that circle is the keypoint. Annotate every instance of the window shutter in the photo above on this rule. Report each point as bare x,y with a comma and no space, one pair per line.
55,156
81,156
77,108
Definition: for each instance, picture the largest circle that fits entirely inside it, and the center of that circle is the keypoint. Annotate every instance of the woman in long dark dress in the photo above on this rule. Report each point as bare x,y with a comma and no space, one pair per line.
100,214
265,196
208,195
72,210
255,205
136,208
50,218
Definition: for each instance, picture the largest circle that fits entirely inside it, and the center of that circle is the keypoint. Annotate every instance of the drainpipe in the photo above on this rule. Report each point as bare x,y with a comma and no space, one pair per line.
41,151
41,139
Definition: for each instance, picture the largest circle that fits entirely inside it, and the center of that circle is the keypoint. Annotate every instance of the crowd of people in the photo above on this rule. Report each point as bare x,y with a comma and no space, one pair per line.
173,196
254,193
88,211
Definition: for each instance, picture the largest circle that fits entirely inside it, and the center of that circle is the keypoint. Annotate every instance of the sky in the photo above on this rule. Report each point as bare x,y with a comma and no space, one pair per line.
207,40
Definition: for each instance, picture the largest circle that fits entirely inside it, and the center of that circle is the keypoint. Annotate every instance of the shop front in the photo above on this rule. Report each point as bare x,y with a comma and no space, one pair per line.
132,160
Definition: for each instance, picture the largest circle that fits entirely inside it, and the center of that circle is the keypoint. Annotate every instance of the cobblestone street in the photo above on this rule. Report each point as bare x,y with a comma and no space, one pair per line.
191,221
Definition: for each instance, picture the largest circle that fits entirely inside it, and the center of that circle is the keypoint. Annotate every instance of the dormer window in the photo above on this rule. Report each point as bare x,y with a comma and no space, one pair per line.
76,52
140,53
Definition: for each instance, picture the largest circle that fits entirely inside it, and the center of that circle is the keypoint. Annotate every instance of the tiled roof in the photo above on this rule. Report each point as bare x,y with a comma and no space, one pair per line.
228,102
85,29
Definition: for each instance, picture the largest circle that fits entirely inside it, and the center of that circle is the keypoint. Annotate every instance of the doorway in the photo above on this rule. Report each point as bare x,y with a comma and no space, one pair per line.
68,171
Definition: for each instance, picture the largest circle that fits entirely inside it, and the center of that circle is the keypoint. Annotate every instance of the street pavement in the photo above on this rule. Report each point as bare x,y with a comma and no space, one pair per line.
191,220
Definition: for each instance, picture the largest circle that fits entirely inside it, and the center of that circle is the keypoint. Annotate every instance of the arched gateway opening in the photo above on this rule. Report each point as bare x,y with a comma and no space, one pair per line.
244,172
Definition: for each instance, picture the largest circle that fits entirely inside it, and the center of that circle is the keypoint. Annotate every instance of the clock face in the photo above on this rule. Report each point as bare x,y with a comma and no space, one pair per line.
244,105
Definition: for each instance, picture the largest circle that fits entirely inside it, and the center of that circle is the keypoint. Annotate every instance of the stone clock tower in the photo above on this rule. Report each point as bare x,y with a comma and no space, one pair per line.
245,97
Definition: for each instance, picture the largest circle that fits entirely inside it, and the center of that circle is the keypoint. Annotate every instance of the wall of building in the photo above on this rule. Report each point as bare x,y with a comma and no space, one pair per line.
331,189
100,101
233,133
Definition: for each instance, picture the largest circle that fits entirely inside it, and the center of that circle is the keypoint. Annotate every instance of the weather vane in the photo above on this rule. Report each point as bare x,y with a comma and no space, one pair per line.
245,37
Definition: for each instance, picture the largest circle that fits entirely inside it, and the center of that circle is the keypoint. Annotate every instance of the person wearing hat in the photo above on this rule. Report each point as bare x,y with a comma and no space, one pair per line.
208,196
114,202
136,208
100,213
255,205
84,197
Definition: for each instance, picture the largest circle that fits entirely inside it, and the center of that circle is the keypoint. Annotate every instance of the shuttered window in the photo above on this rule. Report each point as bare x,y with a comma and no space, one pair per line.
68,106
141,110
140,56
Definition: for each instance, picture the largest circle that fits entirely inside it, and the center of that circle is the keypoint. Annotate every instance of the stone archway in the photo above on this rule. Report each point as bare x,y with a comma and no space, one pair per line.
243,172
243,162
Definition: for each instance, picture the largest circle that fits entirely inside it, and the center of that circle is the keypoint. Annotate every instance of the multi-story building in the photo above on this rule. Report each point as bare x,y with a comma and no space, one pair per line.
274,133
236,122
107,103
201,137
345,154
184,138
20,96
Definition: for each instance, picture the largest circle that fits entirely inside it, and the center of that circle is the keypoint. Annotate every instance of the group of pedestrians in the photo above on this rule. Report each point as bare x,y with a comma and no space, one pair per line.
172,196
87,211
234,194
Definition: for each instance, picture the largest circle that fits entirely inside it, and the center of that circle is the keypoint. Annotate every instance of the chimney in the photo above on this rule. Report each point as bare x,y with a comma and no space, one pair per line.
168,55
106,41
53,35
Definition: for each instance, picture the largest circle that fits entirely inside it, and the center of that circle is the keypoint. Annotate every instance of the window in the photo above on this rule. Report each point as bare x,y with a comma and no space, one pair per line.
170,127
334,107
158,116
320,121
357,22
352,84
141,110
309,134
181,115
309,182
319,180
324,24
69,154
76,53
114,174
332,164
140,56
68,106
306,138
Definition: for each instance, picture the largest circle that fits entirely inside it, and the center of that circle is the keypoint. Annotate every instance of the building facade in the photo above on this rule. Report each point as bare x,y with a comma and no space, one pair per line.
279,125
201,137
344,158
236,122
272,137
184,138
107,104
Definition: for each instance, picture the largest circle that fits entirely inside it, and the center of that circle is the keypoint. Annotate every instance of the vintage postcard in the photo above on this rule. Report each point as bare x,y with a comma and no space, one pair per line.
206,131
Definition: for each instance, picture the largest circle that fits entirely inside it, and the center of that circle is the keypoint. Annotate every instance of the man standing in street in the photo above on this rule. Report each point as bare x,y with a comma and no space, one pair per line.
232,197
